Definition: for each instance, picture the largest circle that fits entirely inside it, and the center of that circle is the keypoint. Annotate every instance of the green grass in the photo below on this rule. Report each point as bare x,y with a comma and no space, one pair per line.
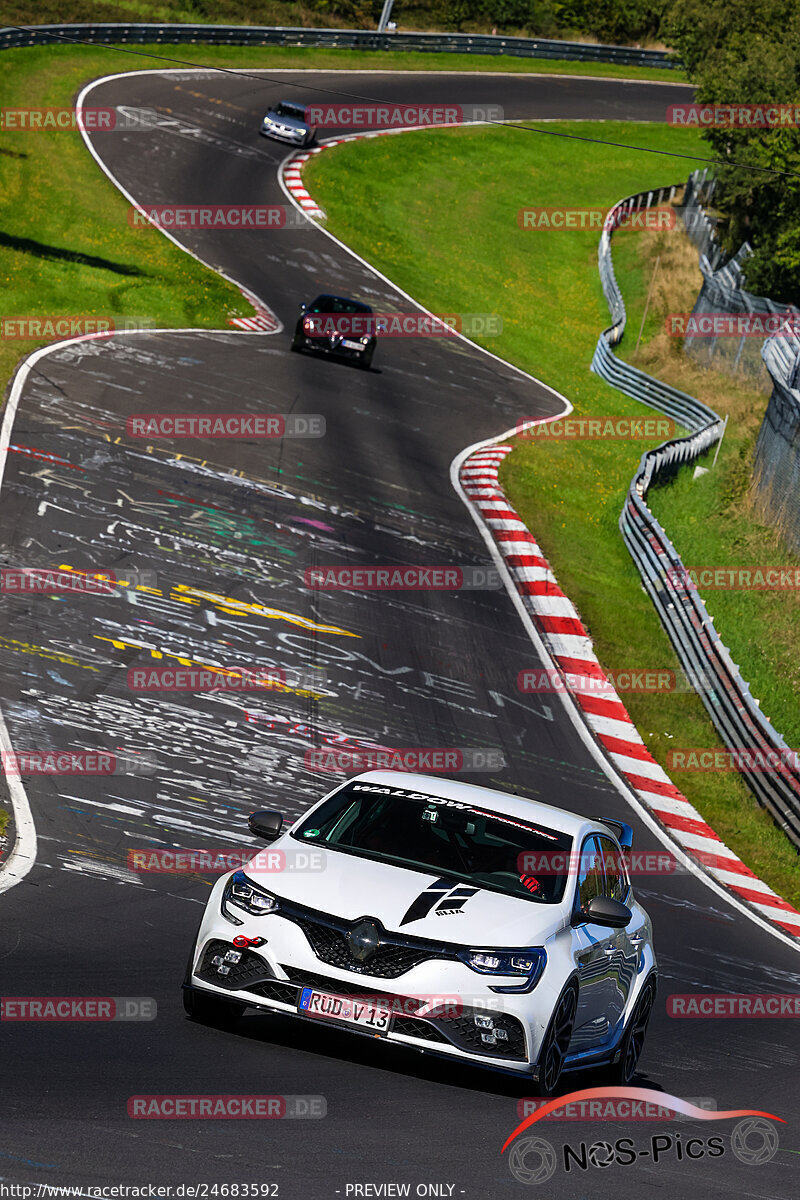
437,212
712,527
712,520
65,244
5,817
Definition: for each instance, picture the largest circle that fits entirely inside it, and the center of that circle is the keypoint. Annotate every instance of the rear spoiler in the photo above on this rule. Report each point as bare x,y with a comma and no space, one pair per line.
623,832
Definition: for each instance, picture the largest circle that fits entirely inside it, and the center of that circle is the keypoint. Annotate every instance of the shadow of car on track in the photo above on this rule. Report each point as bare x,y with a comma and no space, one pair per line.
329,1043
348,364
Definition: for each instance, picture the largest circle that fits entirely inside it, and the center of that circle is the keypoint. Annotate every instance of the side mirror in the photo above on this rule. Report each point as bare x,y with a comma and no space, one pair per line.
265,824
602,910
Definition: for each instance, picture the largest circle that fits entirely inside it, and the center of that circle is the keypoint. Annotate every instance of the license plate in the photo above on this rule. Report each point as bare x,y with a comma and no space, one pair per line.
344,1008
352,345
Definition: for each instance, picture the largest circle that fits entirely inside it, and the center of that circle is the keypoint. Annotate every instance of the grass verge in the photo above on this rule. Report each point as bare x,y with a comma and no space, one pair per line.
66,248
714,520
437,212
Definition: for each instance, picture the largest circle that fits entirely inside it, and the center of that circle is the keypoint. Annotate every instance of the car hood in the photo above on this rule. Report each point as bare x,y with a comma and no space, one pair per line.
288,122
405,901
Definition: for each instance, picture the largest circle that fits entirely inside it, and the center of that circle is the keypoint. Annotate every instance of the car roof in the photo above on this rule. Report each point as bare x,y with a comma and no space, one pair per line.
342,299
503,802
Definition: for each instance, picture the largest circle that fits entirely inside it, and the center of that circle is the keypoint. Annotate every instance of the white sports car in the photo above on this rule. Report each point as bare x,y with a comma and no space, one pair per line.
447,918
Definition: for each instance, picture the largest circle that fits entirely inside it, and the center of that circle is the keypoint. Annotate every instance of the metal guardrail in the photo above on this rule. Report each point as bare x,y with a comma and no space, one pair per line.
341,39
707,661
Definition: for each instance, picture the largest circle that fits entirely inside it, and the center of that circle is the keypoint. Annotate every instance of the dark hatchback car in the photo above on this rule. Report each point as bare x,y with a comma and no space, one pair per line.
339,327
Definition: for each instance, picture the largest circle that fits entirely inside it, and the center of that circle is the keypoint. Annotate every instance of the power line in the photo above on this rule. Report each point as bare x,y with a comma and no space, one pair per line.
262,78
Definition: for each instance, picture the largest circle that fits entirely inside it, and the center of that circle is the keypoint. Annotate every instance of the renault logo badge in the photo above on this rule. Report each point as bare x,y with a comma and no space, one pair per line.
363,940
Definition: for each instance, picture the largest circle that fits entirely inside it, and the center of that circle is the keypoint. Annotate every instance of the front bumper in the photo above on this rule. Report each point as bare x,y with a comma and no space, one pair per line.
325,345
454,1032
294,138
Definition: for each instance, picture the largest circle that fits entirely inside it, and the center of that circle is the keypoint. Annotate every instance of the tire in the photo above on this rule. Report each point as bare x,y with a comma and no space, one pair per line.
366,362
623,1071
208,1009
296,345
556,1042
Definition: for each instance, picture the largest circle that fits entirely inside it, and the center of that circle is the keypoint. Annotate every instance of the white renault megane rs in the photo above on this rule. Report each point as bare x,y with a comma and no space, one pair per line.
443,917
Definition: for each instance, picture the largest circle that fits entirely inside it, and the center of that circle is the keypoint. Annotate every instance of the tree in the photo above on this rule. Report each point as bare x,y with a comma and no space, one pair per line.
747,52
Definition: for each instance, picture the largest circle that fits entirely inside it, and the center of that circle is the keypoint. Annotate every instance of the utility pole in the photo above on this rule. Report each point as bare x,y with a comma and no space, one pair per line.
387,12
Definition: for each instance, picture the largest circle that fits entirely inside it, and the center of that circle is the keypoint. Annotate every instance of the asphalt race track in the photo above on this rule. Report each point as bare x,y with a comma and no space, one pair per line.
227,529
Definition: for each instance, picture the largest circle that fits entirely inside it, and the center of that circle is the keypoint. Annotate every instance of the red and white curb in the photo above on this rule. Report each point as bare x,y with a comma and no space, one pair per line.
570,646
264,321
291,174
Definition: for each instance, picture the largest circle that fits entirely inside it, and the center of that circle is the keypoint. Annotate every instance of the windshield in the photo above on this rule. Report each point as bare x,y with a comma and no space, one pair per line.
285,109
337,304
443,837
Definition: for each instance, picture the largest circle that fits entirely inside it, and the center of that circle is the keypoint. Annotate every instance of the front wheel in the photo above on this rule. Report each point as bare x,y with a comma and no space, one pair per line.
624,1069
209,1009
556,1042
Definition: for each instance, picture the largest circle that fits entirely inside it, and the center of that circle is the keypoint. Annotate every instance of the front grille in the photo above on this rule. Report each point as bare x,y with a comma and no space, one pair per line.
275,989
250,968
340,987
411,1027
389,961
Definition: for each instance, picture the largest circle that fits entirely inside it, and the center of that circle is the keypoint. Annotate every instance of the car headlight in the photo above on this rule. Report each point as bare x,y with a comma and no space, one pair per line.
364,341
268,121
241,892
527,964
